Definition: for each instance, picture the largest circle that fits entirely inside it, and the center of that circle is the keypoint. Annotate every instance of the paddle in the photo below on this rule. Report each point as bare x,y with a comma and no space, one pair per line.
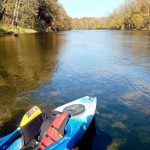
29,116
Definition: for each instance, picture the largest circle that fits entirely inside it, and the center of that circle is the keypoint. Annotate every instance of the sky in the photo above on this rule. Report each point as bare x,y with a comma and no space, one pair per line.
89,8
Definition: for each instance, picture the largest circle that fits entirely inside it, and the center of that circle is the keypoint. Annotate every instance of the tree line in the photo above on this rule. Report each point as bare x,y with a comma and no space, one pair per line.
49,15
132,14
36,14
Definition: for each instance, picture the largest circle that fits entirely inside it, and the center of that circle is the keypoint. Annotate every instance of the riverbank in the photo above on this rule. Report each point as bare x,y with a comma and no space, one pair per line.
144,29
9,30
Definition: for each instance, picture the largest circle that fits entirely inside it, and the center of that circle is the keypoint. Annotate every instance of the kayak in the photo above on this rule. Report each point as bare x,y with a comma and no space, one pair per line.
60,129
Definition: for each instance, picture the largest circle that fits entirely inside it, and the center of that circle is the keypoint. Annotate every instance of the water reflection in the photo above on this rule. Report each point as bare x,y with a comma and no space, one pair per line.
49,70
25,62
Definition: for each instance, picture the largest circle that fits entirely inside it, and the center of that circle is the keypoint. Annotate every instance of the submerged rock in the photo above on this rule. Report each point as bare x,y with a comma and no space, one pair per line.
123,117
118,125
54,93
115,144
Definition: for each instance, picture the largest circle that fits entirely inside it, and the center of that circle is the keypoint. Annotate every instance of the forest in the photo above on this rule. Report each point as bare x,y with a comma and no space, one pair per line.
49,15
40,15
132,14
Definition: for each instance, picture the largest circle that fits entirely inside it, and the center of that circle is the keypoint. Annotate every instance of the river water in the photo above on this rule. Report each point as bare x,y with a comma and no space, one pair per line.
50,69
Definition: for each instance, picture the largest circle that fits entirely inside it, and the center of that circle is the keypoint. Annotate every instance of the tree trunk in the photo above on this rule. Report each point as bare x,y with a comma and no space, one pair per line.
16,19
15,14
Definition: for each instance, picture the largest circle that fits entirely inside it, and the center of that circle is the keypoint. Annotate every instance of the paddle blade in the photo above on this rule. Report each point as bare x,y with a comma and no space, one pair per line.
30,115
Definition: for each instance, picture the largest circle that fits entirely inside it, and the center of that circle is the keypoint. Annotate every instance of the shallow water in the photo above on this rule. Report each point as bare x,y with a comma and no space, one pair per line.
50,69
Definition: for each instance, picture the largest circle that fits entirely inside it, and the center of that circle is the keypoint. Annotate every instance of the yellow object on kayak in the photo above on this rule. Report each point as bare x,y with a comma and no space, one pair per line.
29,116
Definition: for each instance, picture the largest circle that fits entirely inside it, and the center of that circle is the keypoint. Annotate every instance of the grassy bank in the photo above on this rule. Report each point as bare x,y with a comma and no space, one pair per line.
9,30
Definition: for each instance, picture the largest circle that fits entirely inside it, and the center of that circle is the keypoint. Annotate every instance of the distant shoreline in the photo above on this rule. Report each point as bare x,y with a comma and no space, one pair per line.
126,29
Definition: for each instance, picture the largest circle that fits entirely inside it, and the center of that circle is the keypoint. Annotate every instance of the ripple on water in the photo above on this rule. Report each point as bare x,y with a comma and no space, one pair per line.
111,65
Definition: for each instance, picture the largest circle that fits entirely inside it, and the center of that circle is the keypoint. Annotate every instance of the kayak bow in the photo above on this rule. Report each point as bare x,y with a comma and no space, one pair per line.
81,112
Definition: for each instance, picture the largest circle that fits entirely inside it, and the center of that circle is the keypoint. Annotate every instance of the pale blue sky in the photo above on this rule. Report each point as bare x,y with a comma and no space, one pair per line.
89,8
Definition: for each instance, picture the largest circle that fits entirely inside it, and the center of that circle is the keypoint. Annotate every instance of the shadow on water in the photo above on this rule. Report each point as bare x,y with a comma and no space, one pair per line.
91,141
10,125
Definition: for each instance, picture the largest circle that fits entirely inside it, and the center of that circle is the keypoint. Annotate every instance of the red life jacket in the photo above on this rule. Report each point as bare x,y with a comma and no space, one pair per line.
55,131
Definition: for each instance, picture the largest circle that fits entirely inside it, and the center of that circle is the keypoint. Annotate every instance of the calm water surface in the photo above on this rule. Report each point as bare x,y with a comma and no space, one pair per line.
50,69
